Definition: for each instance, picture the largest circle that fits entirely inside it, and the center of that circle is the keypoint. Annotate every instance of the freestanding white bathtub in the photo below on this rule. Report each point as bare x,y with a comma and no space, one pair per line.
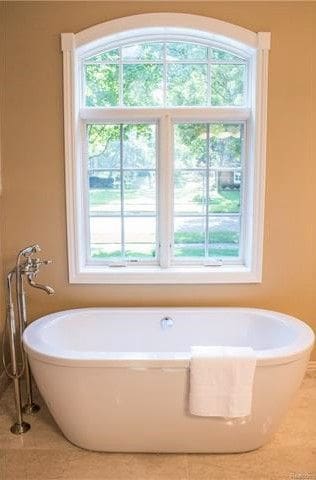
117,379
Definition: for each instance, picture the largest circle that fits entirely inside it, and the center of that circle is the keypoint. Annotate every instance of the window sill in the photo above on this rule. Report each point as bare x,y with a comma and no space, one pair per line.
174,275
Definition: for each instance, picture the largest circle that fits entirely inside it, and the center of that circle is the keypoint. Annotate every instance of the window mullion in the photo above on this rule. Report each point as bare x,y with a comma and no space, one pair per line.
165,190
207,193
85,206
209,77
164,75
122,193
120,85
244,194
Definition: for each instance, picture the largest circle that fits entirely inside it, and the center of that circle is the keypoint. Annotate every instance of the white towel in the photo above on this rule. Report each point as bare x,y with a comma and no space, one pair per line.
221,381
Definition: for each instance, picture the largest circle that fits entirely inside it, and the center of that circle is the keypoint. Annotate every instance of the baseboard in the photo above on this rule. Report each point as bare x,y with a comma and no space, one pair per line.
4,382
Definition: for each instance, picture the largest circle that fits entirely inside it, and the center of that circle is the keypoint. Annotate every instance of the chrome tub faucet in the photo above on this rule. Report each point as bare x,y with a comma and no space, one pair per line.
27,265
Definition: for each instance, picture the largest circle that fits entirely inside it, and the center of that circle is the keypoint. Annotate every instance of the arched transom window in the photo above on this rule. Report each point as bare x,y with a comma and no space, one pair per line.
165,164
165,74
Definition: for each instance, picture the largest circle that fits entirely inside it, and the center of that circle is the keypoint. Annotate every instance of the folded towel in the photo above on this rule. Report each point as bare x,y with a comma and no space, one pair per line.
221,381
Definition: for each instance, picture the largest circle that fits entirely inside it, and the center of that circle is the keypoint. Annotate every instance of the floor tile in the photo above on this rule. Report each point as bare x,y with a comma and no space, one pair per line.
262,464
2,464
36,464
161,467
83,465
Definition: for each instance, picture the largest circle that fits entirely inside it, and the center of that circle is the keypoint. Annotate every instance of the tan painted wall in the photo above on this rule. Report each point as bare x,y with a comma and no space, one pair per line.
2,66
34,165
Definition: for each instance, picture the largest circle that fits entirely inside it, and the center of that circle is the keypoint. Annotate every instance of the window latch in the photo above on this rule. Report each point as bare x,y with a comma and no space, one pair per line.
122,264
117,264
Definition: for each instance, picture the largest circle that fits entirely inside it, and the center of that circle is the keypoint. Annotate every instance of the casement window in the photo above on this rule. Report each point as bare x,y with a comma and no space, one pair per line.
165,125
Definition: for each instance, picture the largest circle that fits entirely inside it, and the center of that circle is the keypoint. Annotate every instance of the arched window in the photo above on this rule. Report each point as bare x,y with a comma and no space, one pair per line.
165,150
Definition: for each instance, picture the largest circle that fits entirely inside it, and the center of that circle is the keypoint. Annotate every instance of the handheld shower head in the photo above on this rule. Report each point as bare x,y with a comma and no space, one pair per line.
29,250
26,252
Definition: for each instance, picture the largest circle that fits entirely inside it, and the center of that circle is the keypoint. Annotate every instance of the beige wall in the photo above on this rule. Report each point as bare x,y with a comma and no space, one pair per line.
2,64
34,192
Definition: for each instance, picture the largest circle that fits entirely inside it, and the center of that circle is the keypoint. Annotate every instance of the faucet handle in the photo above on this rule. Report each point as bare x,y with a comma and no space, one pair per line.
39,261
33,264
47,262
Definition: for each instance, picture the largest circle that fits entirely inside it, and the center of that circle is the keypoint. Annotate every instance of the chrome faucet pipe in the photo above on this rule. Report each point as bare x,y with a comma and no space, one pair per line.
26,266
30,406
15,341
30,269
21,309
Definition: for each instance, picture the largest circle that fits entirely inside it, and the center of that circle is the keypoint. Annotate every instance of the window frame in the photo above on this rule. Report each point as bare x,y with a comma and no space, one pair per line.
183,27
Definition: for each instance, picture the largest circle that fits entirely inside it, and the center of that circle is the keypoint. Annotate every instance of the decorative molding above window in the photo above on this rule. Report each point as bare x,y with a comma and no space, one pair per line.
165,146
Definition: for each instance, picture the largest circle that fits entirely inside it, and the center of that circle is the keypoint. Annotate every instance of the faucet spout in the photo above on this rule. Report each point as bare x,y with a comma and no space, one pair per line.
46,288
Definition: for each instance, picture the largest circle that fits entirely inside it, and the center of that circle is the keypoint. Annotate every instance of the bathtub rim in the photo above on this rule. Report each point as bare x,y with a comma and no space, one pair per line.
302,346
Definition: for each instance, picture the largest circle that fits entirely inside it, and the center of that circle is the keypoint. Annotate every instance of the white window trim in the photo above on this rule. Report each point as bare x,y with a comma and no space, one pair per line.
239,39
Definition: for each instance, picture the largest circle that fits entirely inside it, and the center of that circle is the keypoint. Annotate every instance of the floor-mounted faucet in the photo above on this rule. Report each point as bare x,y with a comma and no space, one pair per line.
27,265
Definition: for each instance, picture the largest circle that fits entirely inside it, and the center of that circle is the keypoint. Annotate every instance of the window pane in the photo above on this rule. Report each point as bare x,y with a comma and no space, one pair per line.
102,85
107,56
189,192
185,51
106,251
190,145
140,229
143,85
224,233
228,85
103,146
139,147
104,192
216,233
105,230
222,251
226,142
189,237
186,84
139,192
143,51
140,251
189,251
225,199
224,56
120,217
189,230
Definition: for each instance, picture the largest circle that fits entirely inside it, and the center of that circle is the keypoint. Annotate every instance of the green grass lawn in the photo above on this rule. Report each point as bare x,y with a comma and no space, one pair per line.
220,202
109,195
191,252
225,202
115,255
224,236
184,247
180,251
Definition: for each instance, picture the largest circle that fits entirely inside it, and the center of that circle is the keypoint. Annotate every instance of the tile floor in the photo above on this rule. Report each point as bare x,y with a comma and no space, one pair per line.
44,454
